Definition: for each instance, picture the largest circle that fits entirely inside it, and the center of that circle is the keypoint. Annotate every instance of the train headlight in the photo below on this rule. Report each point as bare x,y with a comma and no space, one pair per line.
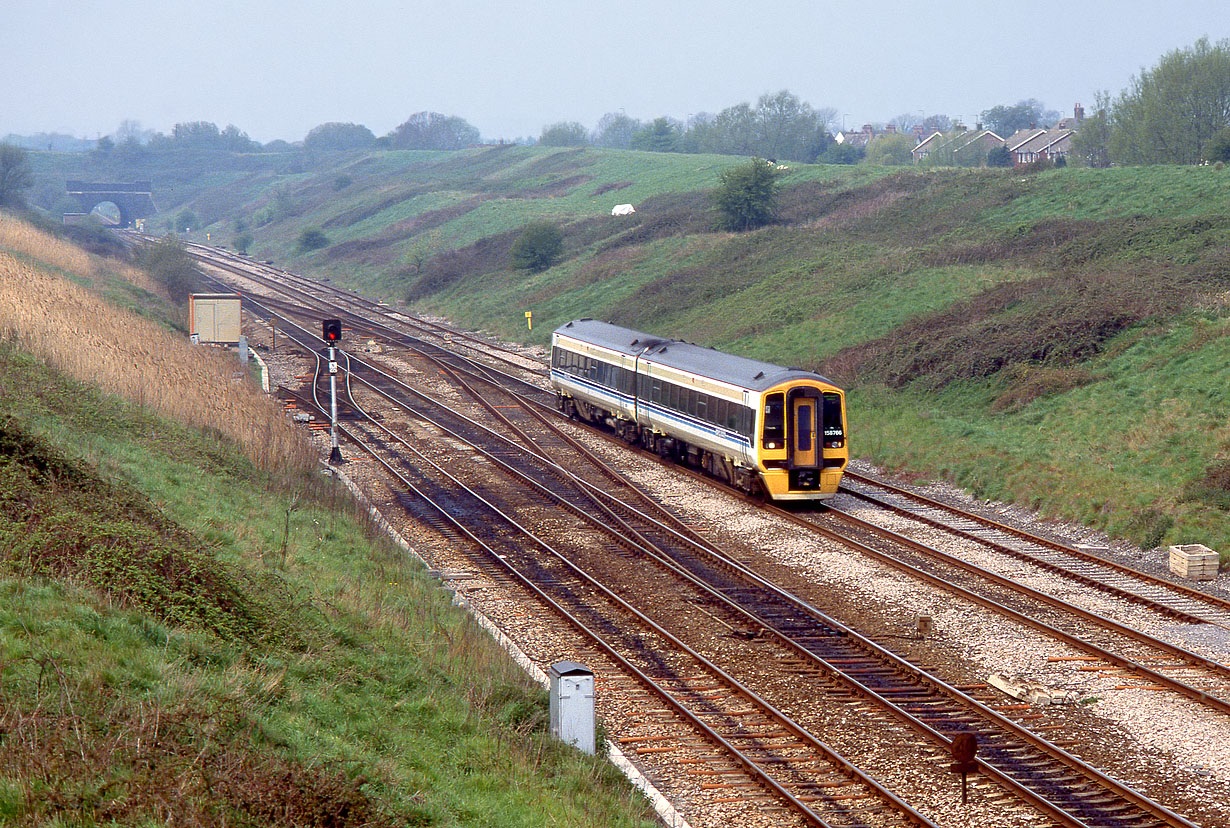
771,445
835,444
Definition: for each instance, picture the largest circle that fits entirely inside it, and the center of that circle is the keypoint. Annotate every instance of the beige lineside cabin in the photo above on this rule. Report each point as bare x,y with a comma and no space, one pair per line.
214,317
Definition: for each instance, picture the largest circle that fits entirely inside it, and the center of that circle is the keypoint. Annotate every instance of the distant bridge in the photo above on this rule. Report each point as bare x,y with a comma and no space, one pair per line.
135,199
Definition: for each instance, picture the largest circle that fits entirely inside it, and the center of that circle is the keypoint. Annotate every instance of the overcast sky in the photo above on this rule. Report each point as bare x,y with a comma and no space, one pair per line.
276,68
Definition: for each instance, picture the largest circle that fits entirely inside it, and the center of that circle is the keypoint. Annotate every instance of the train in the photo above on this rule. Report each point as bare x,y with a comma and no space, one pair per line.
767,430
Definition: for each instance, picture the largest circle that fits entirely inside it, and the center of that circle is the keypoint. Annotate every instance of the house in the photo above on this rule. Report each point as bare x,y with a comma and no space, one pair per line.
858,139
957,148
1029,145
927,145
1051,144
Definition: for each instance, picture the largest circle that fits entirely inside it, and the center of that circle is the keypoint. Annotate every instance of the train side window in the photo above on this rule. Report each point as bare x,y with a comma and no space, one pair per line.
775,419
719,411
702,406
673,401
804,427
747,419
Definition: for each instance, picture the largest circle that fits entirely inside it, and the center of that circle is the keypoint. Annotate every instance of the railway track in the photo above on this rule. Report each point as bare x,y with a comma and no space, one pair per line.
1179,600
1039,772
865,678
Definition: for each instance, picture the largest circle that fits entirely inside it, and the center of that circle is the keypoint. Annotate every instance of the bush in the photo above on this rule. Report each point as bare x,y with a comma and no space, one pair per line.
312,238
168,262
186,220
242,242
747,196
538,247
999,157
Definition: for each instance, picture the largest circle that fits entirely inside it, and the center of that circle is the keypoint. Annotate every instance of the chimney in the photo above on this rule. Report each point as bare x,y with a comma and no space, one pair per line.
1079,112
890,129
978,126
919,130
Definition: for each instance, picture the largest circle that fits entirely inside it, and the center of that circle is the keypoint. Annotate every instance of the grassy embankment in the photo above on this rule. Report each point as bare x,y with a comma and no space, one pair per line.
1055,339
194,626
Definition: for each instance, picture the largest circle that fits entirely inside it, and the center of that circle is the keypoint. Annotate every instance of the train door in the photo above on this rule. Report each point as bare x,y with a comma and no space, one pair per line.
803,451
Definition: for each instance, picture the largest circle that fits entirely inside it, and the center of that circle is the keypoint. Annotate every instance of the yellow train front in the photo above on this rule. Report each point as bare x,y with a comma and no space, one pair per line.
758,426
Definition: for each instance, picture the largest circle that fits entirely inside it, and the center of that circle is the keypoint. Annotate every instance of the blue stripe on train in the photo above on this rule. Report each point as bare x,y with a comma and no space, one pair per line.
733,438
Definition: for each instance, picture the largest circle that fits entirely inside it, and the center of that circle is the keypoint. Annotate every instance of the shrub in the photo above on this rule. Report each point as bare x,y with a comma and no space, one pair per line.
999,157
169,263
242,241
538,247
1212,488
747,195
186,220
1148,528
312,238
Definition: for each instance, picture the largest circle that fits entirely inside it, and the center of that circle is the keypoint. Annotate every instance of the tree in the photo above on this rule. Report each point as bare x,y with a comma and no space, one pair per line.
15,175
538,247
1217,148
616,130
660,136
733,131
890,151
1171,111
433,131
1091,143
747,195
338,137
787,127
564,134
196,135
1005,120
234,139
242,241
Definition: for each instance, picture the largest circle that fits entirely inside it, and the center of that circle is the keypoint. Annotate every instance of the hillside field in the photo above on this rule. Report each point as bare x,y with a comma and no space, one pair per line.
198,628
1055,338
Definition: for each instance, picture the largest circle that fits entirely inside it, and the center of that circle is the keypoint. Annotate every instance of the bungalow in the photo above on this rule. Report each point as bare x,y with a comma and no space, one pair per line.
1047,144
957,148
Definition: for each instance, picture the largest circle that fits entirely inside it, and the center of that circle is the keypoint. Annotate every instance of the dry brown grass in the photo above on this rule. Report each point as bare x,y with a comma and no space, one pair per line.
79,334
29,241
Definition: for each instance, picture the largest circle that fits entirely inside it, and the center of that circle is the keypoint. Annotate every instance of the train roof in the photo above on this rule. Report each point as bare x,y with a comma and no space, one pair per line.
751,374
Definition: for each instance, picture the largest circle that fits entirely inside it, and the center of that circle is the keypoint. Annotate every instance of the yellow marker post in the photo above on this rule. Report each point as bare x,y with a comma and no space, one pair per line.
207,236
529,320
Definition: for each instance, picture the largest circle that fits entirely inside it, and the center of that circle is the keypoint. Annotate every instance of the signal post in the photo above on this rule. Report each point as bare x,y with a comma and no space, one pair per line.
331,332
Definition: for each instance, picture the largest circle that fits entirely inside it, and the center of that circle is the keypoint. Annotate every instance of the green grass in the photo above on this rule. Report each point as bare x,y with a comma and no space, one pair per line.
344,686
1109,453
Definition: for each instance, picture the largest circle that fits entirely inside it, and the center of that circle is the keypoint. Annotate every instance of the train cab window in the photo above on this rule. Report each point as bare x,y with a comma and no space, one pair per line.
804,430
774,420
834,429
